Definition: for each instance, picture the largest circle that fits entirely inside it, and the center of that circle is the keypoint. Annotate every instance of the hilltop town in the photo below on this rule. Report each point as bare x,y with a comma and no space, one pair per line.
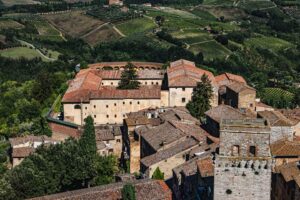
149,100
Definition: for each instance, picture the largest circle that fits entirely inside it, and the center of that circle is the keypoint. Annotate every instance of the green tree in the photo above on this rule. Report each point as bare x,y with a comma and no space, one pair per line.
128,192
6,191
158,175
201,98
129,78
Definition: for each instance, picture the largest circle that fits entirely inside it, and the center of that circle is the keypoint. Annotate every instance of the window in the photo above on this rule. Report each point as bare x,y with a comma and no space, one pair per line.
107,116
115,104
106,106
111,151
102,83
183,89
95,116
251,105
118,140
77,106
183,100
138,102
145,83
107,142
85,107
130,102
112,83
152,83
115,116
235,150
156,83
252,151
123,102
94,106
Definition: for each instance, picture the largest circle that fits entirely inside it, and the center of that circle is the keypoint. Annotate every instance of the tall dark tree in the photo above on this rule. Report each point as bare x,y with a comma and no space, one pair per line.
201,98
158,175
129,78
128,192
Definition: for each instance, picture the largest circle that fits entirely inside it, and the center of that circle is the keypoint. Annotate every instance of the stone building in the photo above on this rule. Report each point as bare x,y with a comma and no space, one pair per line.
286,182
215,115
115,2
109,140
294,116
94,90
281,127
240,96
243,166
205,181
24,146
144,190
169,158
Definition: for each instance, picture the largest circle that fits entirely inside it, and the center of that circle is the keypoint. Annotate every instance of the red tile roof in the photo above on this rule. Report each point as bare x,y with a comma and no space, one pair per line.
183,73
238,87
122,64
290,171
285,148
206,167
228,77
22,152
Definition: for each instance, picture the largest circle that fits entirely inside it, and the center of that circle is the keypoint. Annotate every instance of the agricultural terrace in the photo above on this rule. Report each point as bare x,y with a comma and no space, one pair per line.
19,52
10,24
272,43
75,23
9,3
136,26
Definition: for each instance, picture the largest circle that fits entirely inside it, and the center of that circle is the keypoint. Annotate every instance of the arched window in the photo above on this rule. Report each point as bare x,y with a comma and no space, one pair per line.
77,106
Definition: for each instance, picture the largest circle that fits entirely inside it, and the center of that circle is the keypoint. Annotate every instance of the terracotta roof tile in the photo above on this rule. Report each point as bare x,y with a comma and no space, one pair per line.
206,167
290,171
184,73
122,64
227,78
285,148
238,87
22,152
225,112
275,118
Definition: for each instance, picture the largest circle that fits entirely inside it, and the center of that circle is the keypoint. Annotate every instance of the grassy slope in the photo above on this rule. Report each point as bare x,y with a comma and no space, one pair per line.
136,25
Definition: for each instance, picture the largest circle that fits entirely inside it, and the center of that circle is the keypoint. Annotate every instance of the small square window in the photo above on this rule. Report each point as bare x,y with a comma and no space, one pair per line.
112,83
130,102
145,83
106,106
183,89
152,83
94,106
118,140
138,102
183,100
115,104
156,83
85,107
115,116
107,116
123,102
95,116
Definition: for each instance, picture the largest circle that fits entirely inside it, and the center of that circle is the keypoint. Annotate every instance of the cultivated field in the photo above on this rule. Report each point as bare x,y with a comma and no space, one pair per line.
136,26
19,52
75,23
272,43
18,2
9,24
210,49
104,34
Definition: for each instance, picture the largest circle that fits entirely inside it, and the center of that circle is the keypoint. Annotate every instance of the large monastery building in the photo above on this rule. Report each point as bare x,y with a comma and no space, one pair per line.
94,90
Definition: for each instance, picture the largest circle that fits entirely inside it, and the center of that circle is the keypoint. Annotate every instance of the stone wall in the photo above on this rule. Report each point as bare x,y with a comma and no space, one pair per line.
281,132
236,180
247,99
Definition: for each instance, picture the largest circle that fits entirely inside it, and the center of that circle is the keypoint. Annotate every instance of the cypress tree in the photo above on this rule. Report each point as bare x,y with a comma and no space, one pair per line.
129,78
128,192
201,97
158,175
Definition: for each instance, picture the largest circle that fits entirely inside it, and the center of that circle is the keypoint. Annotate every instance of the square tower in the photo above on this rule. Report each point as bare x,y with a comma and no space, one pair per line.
243,166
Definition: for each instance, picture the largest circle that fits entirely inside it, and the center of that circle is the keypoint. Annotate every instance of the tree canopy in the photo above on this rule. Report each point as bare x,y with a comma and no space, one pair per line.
129,78
158,175
201,98
128,192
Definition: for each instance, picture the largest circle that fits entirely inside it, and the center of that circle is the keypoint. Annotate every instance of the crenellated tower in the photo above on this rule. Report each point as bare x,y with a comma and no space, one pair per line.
243,166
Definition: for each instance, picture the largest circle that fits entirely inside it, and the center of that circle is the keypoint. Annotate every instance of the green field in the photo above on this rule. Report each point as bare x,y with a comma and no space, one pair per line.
136,26
255,5
271,43
19,52
18,2
9,24
191,36
211,50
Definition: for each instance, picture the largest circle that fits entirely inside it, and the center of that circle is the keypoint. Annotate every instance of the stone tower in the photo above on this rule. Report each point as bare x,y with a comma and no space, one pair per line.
243,166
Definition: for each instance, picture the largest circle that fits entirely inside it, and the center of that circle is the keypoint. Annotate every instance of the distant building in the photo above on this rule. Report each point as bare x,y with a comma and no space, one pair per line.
243,166
115,2
24,146
109,140
281,127
94,90
144,190
294,117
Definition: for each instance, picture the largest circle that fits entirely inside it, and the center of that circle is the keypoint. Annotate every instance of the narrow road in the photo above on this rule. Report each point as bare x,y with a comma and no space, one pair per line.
92,31
118,31
33,47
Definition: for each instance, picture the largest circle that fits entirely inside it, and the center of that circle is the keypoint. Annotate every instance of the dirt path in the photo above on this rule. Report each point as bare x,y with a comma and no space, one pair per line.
202,42
33,47
60,33
118,31
92,31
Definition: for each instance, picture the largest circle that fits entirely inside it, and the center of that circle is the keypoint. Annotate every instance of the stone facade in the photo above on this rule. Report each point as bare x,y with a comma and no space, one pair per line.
243,166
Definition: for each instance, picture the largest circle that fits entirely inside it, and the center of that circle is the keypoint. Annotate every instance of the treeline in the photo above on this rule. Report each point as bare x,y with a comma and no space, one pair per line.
165,2
71,165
